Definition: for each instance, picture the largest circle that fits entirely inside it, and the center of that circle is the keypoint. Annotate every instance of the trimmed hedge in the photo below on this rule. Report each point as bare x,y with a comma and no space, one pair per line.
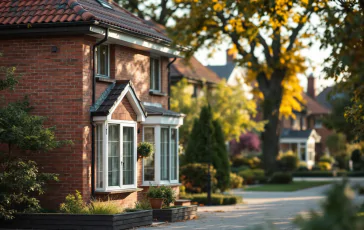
251,176
216,199
281,178
327,174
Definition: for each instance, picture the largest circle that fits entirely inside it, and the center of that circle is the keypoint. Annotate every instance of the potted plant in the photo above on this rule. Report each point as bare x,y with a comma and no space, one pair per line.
145,149
161,196
155,195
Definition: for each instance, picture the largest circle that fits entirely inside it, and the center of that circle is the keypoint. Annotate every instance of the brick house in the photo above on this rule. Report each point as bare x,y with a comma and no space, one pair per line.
306,135
192,70
100,75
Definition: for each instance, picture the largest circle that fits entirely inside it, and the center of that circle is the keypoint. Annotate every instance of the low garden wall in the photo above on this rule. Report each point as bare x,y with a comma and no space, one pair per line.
176,213
80,221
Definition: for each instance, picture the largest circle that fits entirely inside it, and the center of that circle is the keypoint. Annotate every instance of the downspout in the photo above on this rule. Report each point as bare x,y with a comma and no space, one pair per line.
169,82
93,103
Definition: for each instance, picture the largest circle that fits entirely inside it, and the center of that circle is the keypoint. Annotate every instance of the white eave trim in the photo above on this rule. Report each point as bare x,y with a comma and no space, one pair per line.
137,43
163,120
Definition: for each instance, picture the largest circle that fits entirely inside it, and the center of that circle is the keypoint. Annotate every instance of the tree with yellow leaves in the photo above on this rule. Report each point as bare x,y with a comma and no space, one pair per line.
228,105
268,36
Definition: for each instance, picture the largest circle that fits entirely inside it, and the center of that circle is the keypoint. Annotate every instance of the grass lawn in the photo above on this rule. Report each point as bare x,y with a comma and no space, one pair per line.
294,186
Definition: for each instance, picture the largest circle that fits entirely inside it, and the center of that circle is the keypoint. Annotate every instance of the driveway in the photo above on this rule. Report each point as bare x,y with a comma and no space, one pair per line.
260,208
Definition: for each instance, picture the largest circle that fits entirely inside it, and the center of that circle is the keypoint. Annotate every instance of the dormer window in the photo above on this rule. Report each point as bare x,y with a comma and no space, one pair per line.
155,74
102,63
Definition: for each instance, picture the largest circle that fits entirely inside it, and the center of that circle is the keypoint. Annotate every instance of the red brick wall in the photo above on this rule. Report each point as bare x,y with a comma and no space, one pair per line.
131,64
124,111
54,83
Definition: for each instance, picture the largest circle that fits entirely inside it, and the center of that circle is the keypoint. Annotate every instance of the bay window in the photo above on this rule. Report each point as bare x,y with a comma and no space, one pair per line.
115,156
162,167
148,163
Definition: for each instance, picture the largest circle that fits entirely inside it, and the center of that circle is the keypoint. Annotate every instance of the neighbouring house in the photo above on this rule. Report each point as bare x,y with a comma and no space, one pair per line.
100,75
192,70
232,73
306,135
196,74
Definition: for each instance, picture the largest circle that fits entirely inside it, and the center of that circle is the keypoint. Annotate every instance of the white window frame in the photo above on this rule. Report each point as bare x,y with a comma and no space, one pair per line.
98,62
152,72
157,157
105,126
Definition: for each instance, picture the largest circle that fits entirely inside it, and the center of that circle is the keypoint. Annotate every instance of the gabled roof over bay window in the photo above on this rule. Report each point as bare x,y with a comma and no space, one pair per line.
109,101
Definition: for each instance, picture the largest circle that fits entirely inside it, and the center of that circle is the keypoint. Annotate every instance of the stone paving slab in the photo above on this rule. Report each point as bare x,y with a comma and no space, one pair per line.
277,208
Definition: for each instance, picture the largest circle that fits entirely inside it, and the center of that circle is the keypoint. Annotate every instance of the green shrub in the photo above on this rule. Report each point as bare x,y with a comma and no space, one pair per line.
236,181
252,176
281,178
252,162
216,199
302,167
238,169
73,204
143,204
103,208
194,177
327,159
338,211
324,166
288,161
166,193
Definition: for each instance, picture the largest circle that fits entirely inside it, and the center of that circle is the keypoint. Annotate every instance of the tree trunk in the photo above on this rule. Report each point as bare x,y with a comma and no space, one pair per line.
270,137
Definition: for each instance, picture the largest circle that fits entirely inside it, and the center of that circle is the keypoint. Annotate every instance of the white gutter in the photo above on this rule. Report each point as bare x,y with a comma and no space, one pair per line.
135,42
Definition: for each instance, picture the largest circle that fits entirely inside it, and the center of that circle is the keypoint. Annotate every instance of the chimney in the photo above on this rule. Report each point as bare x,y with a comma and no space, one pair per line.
230,57
311,86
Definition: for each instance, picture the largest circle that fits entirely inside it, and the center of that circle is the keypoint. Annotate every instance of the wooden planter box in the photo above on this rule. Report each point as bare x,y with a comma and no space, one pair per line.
81,221
175,214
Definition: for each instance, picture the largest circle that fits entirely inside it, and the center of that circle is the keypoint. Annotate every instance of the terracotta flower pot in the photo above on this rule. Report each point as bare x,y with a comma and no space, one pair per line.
156,203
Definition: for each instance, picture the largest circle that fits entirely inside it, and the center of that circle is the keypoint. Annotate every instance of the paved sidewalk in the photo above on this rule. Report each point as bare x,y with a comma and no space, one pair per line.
278,208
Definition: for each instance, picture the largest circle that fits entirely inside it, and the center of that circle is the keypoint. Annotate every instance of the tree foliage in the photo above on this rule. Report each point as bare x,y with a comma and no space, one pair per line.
336,143
206,145
268,36
228,104
336,119
344,34
20,179
249,142
159,11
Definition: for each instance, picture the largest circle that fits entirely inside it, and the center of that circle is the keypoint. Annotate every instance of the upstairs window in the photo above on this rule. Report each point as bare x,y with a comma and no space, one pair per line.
155,74
318,123
102,61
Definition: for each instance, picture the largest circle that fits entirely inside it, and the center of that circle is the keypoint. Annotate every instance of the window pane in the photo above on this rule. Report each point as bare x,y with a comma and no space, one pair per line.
128,155
102,60
303,152
151,73
174,154
164,154
156,74
99,155
149,162
114,155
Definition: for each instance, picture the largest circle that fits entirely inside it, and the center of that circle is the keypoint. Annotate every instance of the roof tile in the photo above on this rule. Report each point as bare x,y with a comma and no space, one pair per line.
58,11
